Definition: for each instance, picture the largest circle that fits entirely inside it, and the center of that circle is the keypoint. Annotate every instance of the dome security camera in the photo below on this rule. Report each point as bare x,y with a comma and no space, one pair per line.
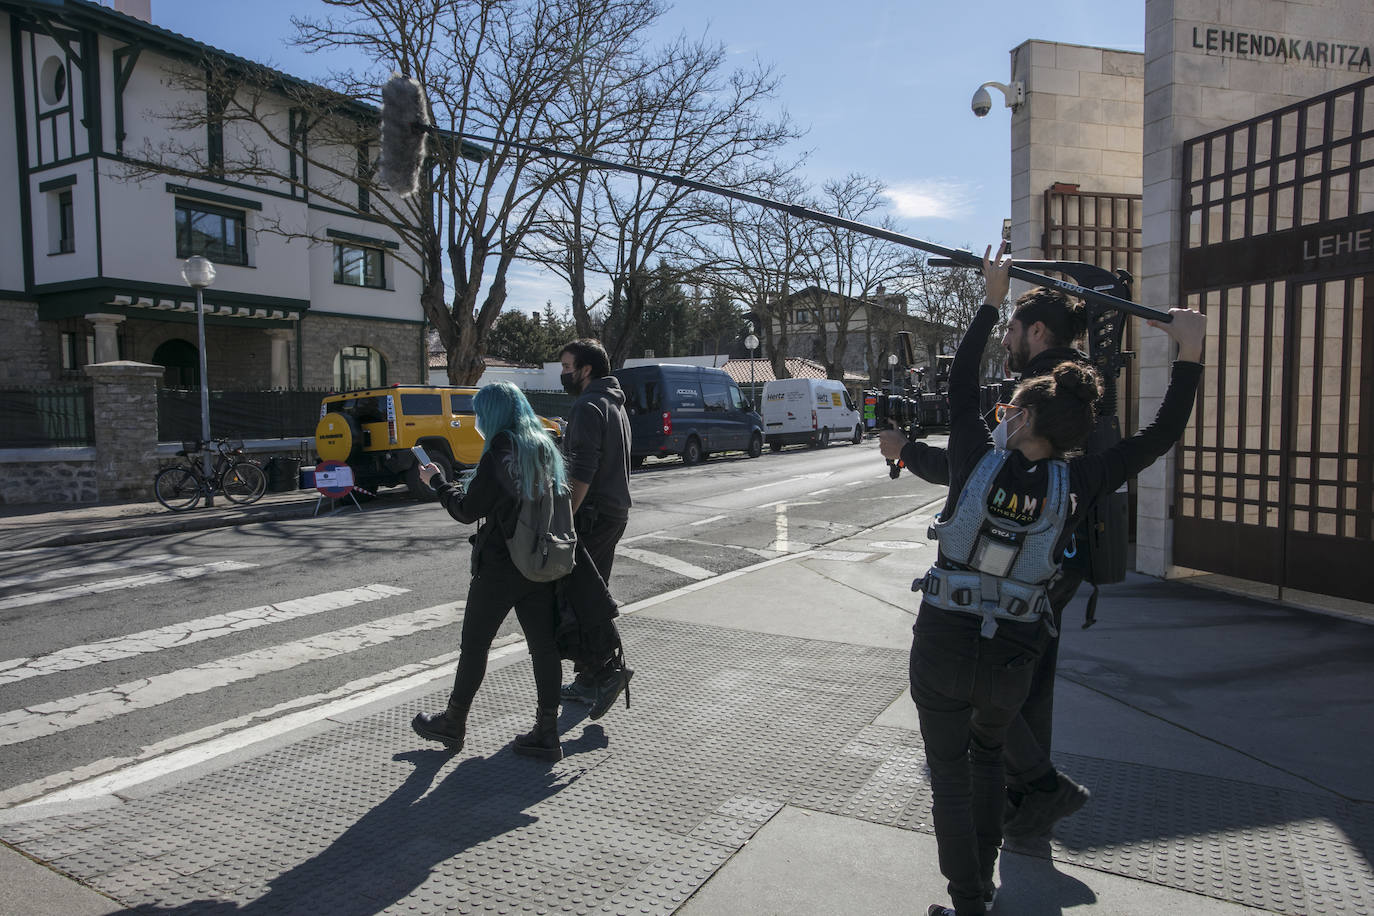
982,102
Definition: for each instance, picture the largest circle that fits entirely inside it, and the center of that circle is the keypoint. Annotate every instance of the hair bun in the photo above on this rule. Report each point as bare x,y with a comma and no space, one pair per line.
1078,381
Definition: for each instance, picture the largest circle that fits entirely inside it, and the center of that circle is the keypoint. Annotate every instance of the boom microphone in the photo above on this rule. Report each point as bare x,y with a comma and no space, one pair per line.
405,126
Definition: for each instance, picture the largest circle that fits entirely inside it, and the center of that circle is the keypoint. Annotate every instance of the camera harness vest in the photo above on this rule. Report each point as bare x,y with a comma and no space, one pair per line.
1009,565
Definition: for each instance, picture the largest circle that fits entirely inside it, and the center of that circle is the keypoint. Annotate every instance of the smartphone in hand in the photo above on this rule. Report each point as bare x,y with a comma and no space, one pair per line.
420,455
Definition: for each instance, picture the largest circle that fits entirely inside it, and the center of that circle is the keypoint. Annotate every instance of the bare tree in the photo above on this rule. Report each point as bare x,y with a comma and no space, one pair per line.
844,269
501,69
758,253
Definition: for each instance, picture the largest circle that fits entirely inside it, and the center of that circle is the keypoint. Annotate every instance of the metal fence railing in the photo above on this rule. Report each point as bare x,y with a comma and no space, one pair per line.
238,414
47,417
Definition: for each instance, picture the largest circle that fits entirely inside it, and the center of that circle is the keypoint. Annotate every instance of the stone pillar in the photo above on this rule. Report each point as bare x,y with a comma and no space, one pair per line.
281,363
106,341
125,405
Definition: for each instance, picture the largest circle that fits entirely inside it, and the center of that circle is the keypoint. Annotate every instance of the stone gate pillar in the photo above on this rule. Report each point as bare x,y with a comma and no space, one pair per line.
124,396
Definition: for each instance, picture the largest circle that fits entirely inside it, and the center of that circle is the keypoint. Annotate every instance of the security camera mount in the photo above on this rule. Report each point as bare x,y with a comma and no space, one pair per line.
1015,96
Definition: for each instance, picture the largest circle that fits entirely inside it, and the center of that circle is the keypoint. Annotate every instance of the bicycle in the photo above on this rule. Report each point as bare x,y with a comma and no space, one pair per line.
180,487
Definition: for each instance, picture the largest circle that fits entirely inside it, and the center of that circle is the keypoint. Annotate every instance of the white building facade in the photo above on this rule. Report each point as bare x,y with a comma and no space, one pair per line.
308,294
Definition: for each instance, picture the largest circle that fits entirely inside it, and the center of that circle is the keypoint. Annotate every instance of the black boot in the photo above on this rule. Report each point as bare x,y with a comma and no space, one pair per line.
542,740
448,727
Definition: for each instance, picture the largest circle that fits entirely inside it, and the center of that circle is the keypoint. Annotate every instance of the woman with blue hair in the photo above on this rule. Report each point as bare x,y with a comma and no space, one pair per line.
519,460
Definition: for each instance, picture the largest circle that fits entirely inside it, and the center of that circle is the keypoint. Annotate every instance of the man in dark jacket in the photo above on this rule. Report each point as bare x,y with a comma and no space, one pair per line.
1040,336
596,446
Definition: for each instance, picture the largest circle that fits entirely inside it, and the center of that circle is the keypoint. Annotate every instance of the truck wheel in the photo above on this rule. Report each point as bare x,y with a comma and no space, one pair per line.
775,446
825,438
755,445
691,454
418,488
858,433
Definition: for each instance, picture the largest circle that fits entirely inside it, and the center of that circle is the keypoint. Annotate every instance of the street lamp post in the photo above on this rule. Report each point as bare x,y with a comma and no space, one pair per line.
751,343
892,365
199,273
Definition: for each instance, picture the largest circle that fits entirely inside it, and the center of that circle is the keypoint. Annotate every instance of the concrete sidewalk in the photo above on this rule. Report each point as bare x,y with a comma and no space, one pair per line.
770,763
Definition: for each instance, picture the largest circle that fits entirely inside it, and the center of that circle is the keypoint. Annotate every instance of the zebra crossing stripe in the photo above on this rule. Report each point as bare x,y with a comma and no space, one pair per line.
191,631
662,561
110,585
42,719
90,569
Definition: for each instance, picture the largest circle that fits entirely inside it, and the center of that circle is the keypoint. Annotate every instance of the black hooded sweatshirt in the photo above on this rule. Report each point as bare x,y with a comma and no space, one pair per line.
596,446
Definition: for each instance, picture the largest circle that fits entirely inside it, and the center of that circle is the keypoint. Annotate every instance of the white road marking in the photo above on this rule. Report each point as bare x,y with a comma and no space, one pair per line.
49,718
191,631
775,483
662,561
114,774
110,585
780,522
707,521
90,569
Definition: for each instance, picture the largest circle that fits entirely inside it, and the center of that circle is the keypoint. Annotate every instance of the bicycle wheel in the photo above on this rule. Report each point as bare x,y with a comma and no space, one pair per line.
177,489
243,483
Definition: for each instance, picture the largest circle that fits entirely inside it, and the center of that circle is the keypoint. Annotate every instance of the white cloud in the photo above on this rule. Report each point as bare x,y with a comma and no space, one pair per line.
932,199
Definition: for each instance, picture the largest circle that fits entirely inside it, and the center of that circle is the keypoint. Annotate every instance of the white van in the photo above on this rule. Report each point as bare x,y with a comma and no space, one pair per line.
808,411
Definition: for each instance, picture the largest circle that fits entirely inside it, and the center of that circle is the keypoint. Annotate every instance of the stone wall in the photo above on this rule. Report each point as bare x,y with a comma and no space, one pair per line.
125,402
50,475
25,358
1196,82
401,344
1082,123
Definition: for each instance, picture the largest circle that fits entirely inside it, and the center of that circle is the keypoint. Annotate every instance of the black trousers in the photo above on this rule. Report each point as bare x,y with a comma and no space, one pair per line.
600,535
1026,754
490,599
968,691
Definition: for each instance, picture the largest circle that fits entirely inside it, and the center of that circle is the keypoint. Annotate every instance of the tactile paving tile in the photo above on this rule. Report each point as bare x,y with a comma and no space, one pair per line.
727,727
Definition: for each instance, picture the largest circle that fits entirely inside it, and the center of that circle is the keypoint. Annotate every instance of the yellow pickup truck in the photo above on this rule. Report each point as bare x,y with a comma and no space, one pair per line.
373,430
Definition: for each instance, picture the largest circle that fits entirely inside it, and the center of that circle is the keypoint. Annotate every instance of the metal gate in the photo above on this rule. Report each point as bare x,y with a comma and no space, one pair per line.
1276,472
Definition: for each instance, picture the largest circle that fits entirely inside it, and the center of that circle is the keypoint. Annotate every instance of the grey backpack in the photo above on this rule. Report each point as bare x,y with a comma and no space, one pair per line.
544,543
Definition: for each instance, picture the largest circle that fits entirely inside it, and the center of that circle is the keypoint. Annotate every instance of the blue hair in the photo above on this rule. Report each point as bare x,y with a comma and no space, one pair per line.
502,408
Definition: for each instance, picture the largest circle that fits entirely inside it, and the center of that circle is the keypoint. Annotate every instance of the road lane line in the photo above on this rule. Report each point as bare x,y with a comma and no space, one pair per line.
91,569
775,483
707,521
191,631
110,585
44,719
113,774
780,522
662,561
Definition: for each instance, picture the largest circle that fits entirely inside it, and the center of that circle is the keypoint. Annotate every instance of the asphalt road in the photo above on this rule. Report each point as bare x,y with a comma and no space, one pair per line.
124,652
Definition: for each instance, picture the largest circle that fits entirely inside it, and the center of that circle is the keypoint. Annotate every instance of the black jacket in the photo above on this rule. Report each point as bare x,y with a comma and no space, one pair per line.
491,498
596,445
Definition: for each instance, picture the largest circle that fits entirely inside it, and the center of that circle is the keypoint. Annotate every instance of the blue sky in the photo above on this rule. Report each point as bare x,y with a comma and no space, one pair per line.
881,87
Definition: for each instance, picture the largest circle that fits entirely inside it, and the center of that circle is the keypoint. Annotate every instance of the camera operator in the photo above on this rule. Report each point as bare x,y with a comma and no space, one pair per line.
1040,336
985,618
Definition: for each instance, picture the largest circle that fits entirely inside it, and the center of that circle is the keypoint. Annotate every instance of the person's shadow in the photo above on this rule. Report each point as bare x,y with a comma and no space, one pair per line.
392,849
1031,885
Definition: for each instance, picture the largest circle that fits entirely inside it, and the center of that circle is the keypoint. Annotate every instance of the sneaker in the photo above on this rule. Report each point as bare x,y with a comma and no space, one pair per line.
578,692
1040,811
608,689
938,910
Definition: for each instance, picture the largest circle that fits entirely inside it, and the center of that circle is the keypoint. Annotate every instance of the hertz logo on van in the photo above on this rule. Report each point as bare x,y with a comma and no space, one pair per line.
776,397
690,392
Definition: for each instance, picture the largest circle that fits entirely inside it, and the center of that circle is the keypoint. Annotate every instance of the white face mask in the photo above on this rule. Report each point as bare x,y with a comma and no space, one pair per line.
1002,433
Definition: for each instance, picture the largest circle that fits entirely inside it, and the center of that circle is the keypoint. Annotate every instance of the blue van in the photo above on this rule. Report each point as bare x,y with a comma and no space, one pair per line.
690,411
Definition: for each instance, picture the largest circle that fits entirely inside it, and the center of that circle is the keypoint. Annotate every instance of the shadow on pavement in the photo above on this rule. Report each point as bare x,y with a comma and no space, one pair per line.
393,848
